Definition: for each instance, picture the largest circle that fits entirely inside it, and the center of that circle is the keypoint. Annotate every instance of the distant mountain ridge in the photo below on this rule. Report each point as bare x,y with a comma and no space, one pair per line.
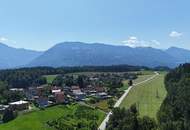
97,54
182,55
81,54
12,57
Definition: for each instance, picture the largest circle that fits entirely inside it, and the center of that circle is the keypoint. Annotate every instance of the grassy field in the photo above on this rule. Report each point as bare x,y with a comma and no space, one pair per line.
145,75
142,78
148,96
50,78
37,120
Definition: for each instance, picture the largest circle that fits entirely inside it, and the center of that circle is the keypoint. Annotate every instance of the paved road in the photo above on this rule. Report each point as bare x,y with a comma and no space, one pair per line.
117,104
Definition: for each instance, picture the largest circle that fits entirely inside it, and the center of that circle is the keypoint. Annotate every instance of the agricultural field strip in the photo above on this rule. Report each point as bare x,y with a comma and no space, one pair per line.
103,124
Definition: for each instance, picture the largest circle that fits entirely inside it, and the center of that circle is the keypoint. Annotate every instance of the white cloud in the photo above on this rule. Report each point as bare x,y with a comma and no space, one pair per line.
175,34
6,40
3,39
155,42
135,42
131,41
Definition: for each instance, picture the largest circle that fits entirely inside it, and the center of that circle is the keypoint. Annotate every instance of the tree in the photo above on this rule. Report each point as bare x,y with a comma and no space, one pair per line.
40,81
8,116
122,119
130,82
111,103
58,81
147,123
81,81
174,113
93,125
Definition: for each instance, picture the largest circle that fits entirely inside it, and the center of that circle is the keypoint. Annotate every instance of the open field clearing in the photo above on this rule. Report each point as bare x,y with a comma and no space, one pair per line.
147,96
50,78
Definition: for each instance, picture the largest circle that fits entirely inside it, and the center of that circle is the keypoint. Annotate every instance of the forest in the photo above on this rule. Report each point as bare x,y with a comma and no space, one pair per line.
174,113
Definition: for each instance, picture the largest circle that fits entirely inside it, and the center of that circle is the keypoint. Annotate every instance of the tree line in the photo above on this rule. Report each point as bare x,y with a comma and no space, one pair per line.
25,77
174,113
129,119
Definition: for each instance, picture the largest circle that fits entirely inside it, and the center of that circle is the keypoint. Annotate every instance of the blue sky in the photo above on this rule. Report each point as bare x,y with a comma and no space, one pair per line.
40,24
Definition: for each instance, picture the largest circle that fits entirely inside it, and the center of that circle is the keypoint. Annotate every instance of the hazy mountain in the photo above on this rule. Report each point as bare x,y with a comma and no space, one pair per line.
79,54
182,55
12,57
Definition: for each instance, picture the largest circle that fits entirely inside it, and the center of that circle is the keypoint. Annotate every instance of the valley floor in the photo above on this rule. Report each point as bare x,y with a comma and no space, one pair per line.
147,96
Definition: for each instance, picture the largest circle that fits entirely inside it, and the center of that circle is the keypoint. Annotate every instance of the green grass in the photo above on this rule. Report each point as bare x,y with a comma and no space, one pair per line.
50,78
37,120
103,105
125,86
147,72
139,79
148,96
142,78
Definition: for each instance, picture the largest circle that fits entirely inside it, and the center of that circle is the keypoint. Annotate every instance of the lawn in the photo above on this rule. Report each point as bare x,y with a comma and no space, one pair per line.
38,120
148,96
50,78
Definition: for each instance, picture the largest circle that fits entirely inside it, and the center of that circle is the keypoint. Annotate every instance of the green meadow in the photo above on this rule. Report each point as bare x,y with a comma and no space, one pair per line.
147,96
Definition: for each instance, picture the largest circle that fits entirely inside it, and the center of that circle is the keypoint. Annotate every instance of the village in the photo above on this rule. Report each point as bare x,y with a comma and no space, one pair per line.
65,89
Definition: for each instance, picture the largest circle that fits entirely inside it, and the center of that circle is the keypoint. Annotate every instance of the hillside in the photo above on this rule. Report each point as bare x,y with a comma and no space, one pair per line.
80,54
182,55
174,113
12,57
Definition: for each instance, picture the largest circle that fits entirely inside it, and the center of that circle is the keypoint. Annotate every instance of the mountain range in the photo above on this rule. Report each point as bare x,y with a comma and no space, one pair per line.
12,57
97,54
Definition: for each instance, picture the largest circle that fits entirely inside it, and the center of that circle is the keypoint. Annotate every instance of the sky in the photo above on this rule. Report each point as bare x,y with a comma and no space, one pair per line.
40,24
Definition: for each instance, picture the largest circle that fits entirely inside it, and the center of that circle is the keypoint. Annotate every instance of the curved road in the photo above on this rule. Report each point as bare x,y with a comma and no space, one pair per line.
117,104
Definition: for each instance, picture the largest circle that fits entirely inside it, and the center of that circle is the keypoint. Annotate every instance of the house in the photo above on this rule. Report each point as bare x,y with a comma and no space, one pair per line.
67,89
99,89
40,90
42,101
17,89
31,93
89,89
75,88
103,95
19,105
78,94
55,89
59,97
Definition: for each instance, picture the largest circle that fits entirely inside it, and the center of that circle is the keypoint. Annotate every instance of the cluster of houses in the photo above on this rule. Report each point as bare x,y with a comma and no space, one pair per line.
44,96
38,95
89,90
